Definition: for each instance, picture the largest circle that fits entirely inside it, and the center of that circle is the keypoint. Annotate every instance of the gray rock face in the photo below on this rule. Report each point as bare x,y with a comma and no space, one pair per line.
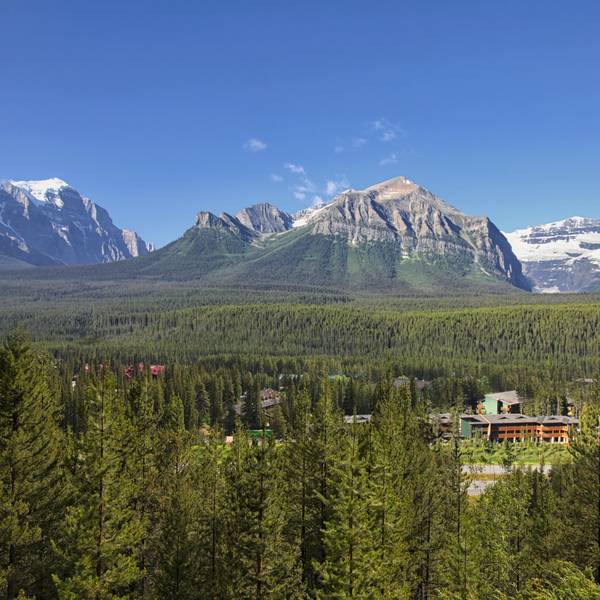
563,256
396,213
48,222
265,218
401,212
226,223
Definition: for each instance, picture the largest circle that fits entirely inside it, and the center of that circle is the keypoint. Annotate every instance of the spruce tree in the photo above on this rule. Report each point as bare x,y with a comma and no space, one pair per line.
32,478
176,543
347,569
582,497
103,529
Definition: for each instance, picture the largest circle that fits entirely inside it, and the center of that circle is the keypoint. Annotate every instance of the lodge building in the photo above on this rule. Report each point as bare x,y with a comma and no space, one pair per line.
554,429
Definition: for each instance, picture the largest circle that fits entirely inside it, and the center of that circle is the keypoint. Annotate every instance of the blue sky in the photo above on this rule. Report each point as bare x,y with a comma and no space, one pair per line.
157,110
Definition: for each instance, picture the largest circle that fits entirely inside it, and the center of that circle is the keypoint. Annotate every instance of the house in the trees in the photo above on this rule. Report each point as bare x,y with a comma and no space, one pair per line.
269,398
358,419
555,429
500,403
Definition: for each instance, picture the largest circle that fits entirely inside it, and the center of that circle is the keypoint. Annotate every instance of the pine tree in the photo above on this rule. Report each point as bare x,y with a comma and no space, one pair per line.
202,403
216,402
251,407
230,399
176,542
390,522
301,463
103,529
32,480
209,480
260,560
582,498
347,571
139,433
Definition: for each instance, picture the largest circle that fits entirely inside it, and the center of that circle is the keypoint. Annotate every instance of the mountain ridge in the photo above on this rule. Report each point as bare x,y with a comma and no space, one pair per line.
48,222
561,256
376,237
395,236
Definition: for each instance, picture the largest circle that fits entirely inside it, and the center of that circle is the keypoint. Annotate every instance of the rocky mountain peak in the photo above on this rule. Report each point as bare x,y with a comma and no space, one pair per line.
409,220
47,221
224,223
393,188
208,220
41,190
264,218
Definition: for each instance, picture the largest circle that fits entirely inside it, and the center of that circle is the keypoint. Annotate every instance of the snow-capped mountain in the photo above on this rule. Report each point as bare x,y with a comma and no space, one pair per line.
47,222
563,256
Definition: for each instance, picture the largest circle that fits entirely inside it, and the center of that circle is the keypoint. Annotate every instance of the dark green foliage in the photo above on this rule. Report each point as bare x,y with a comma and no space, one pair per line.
123,487
33,486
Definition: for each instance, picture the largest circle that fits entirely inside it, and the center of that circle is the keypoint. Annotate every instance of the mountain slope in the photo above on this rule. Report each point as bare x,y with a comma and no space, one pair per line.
563,256
212,244
47,222
398,230
393,237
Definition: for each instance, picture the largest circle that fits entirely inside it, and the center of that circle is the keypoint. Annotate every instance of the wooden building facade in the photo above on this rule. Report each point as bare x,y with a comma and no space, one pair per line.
554,429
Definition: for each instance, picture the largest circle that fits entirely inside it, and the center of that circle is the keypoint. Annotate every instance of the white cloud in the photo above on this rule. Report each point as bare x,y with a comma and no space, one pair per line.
275,178
299,195
352,144
331,188
317,201
335,186
255,145
386,130
305,186
298,169
390,159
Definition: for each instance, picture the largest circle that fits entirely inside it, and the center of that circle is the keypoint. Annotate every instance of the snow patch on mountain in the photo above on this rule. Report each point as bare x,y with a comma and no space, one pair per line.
569,240
42,190
562,256
304,216
47,221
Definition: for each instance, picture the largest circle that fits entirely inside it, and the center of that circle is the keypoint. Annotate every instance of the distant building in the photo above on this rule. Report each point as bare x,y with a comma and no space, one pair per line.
269,398
555,429
360,419
502,402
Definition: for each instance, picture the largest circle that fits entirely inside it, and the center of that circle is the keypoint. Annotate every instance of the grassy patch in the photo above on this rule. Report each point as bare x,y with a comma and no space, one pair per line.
521,453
